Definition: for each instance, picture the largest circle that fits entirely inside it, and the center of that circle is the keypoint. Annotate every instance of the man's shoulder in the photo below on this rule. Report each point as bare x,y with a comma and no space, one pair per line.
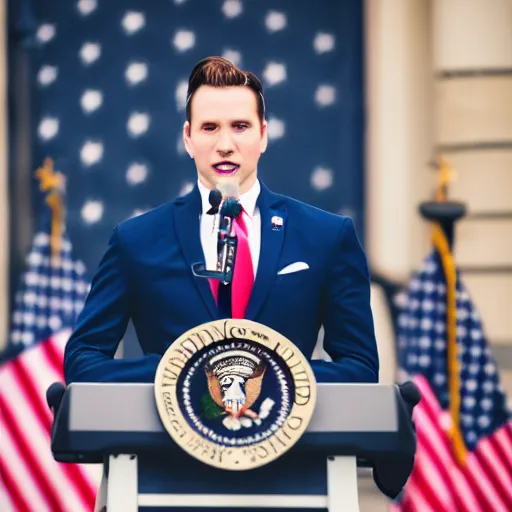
148,224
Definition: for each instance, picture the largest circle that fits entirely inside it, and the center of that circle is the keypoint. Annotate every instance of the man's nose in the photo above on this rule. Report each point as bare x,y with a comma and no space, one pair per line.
225,146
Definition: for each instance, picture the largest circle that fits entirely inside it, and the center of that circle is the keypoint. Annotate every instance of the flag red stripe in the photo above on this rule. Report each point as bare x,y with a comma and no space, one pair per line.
36,401
497,448
426,489
492,469
482,475
11,487
31,393
29,459
425,446
428,404
73,473
54,357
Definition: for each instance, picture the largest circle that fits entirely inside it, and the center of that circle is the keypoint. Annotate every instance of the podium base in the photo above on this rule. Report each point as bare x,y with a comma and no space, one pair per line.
119,492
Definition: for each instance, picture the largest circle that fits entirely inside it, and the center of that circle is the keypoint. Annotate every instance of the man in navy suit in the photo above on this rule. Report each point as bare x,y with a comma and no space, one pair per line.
306,267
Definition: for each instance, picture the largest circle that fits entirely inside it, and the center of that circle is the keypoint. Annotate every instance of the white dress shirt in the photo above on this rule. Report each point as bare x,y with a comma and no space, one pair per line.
252,220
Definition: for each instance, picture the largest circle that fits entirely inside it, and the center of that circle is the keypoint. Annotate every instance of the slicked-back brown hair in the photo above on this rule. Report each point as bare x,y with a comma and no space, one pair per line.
220,72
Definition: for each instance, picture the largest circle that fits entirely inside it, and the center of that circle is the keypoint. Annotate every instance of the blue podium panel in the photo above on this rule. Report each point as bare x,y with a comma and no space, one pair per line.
290,474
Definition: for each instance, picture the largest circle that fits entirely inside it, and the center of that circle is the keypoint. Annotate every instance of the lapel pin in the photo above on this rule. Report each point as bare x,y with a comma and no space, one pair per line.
277,223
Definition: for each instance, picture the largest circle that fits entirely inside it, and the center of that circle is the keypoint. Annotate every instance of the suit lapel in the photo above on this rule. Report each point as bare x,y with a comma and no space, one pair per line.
187,224
271,243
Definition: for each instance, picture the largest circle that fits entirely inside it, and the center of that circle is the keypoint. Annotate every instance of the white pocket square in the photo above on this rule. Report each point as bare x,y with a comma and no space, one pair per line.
293,267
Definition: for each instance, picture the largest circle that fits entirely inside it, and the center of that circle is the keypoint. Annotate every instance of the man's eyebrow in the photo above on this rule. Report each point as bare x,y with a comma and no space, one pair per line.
234,121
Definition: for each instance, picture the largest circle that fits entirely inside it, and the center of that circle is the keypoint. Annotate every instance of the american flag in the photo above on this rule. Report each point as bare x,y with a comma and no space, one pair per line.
440,481
51,294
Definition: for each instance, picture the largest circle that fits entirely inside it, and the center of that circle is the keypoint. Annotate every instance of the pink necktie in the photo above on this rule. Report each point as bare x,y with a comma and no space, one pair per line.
243,273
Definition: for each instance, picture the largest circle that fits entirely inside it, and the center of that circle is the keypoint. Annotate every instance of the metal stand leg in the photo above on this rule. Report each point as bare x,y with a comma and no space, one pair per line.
342,484
123,490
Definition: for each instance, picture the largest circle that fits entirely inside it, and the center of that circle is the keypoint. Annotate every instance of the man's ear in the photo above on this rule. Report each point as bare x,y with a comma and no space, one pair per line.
186,139
264,136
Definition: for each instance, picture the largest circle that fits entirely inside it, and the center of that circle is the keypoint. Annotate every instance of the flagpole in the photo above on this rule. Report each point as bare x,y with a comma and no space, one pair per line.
444,214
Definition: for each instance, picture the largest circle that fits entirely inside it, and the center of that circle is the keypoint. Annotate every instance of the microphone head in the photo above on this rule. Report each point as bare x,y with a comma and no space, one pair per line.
215,198
231,208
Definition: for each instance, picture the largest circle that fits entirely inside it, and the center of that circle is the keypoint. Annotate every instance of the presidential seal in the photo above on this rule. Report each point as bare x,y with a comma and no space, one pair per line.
234,394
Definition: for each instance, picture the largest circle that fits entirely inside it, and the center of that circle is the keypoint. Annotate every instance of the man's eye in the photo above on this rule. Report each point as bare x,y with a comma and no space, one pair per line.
209,128
241,126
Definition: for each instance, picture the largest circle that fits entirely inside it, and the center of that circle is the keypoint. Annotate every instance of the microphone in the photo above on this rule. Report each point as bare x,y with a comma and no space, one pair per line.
224,201
215,198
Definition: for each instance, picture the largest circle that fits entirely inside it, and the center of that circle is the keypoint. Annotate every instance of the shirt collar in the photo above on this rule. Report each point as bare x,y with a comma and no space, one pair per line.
247,200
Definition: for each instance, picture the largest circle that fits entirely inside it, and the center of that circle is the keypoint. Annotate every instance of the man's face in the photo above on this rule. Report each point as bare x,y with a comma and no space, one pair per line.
225,136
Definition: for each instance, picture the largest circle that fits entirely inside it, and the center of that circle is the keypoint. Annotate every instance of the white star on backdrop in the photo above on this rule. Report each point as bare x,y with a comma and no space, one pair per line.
45,33
91,152
275,21
323,42
275,128
91,100
136,174
232,8
136,72
274,73
138,123
325,95
133,22
184,40
186,188
321,178
233,56
48,128
92,211
47,75
86,7
90,52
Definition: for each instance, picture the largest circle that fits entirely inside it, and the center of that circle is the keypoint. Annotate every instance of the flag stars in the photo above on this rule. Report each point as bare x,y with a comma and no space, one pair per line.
233,56
325,95
275,21
86,7
47,75
232,8
323,42
275,128
321,178
91,153
136,174
45,33
133,22
186,188
92,212
136,72
184,40
90,52
138,124
91,100
274,73
48,128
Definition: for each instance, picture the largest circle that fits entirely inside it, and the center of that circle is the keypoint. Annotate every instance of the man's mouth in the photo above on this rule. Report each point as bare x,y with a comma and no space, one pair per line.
225,167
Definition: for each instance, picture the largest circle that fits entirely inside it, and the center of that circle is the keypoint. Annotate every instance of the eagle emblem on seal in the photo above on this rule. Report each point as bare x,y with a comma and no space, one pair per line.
234,384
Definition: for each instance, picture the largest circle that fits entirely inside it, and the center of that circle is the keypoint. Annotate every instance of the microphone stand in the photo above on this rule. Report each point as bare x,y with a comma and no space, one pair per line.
226,243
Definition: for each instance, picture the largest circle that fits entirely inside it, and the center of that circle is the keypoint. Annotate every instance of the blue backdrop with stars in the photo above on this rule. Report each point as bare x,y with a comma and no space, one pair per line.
109,84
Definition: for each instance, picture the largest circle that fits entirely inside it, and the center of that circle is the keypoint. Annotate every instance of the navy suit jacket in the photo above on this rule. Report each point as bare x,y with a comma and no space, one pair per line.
145,274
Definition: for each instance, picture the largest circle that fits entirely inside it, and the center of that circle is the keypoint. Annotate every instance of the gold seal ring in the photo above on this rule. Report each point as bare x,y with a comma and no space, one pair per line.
234,394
